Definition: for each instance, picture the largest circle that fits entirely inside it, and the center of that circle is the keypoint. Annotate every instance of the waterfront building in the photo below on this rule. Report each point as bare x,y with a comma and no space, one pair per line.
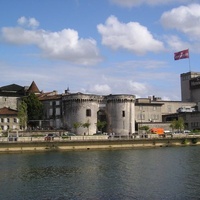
10,95
153,111
123,113
190,86
118,111
9,119
52,110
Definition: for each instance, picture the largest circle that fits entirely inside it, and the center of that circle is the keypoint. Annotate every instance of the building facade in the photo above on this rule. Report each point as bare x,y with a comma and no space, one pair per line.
123,114
9,119
190,86
52,110
118,111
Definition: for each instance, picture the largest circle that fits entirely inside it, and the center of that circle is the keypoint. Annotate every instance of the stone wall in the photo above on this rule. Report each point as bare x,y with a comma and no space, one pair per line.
11,102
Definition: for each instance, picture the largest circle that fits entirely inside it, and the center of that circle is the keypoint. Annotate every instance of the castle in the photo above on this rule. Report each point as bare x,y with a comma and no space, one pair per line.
123,113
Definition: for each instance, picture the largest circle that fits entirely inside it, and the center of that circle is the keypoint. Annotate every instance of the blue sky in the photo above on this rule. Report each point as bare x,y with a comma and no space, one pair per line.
99,47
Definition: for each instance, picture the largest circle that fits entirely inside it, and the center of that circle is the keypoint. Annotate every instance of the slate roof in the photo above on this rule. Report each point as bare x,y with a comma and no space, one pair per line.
12,87
12,90
7,111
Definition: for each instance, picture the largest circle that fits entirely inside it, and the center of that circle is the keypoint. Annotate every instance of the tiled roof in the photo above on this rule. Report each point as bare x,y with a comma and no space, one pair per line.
7,111
33,88
49,96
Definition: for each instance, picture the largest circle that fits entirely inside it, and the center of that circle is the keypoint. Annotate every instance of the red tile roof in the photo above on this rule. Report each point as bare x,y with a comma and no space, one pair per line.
49,96
7,111
33,88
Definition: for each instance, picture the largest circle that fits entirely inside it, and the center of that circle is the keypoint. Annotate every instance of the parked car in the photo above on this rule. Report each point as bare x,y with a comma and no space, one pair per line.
49,136
69,134
186,131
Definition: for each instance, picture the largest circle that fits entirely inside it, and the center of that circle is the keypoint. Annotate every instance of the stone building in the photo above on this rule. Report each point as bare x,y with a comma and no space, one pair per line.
190,86
10,95
116,110
10,98
8,119
150,111
52,110
123,114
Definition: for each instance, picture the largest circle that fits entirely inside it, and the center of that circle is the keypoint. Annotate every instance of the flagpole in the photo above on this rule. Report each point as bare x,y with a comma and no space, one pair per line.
189,61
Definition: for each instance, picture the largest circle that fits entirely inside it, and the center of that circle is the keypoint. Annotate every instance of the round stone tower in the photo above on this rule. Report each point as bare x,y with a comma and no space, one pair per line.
80,113
121,111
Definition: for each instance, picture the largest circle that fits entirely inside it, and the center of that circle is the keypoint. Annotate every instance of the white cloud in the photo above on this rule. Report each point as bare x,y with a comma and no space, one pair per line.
137,88
184,19
175,43
133,3
64,45
99,89
22,21
31,22
131,36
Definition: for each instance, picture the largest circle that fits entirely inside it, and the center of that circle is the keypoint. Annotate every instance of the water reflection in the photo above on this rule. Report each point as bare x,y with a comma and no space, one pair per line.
165,173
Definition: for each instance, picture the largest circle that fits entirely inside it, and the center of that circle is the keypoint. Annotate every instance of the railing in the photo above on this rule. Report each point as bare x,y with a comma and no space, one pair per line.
94,138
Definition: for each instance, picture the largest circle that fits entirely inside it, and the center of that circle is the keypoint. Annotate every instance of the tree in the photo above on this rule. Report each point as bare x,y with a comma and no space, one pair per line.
177,124
87,125
34,107
76,125
22,114
101,125
180,123
145,128
173,124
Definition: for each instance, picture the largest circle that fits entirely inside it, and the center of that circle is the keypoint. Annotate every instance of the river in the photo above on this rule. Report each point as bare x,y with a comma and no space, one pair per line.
157,173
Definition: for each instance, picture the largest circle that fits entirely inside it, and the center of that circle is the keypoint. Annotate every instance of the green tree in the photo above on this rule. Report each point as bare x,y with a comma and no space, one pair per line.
22,114
145,128
87,125
180,123
173,124
177,124
101,125
76,125
34,107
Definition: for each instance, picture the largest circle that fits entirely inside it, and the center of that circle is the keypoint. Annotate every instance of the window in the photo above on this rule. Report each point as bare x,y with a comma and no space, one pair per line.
123,113
8,120
57,103
1,120
50,111
141,116
169,109
57,111
15,120
88,113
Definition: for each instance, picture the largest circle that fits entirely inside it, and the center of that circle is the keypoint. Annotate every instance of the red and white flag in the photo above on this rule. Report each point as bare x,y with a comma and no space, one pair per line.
181,54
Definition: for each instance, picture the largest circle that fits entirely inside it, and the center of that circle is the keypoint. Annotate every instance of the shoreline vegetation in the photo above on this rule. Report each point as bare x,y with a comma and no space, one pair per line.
98,142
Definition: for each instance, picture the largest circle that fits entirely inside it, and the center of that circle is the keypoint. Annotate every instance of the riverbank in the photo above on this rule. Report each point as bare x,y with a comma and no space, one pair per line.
112,144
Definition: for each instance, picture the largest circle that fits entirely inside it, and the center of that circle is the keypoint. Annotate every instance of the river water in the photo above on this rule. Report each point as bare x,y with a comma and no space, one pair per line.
160,173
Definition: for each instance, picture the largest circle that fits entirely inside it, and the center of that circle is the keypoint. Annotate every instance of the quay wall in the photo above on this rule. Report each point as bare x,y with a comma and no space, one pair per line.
112,144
